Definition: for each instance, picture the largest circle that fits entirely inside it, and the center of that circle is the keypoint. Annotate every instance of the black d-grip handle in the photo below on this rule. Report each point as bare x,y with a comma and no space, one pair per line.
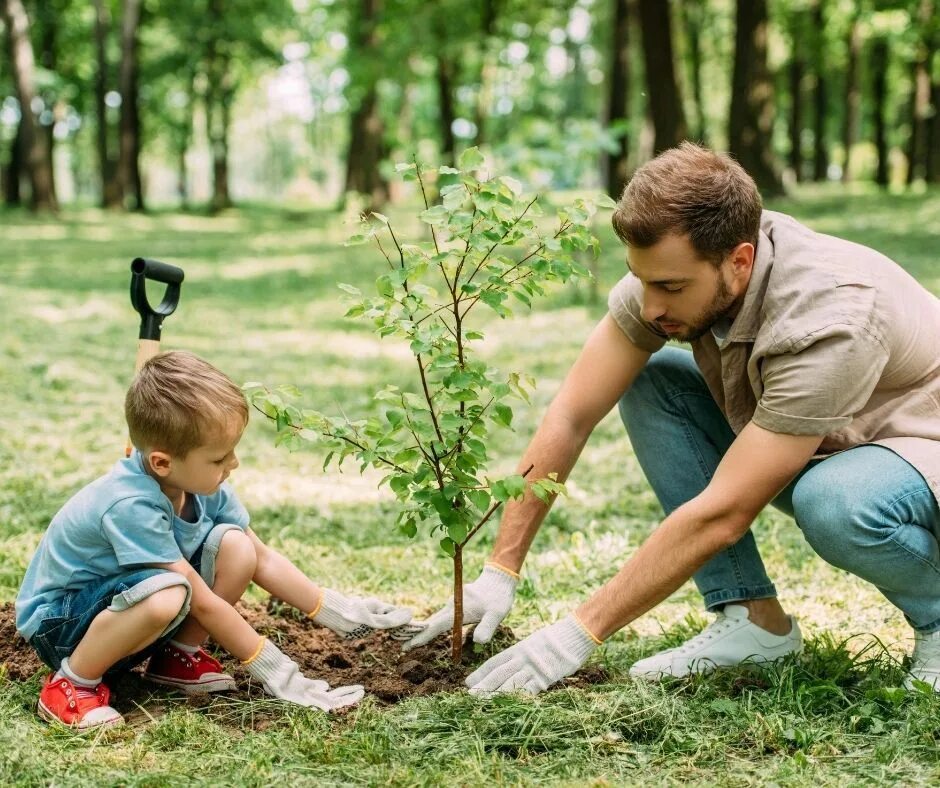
151,319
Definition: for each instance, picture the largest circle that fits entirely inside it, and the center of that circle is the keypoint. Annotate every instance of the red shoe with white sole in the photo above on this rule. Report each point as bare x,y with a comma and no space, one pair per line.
78,707
193,674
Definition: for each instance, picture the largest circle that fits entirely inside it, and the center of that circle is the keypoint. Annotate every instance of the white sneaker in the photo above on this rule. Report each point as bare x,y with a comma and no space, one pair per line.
925,661
730,640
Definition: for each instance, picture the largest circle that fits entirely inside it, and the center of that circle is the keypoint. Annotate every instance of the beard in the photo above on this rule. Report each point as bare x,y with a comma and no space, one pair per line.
720,305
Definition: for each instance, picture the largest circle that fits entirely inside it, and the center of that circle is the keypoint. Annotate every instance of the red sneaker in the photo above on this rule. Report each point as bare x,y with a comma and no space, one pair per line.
190,673
78,707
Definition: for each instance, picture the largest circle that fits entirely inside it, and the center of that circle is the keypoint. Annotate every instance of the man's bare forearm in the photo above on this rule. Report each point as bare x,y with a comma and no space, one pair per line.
554,449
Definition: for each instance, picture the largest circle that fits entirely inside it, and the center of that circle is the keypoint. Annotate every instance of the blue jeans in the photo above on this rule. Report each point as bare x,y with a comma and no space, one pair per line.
865,510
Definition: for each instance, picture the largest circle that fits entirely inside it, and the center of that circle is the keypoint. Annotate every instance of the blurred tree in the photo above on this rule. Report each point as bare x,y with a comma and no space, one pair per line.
129,184
695,20
853,91
616,165
37,158
665,101
820,92
923,19
750,126
879,70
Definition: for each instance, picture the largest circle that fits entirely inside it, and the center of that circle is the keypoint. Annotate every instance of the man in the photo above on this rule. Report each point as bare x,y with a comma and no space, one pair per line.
813,384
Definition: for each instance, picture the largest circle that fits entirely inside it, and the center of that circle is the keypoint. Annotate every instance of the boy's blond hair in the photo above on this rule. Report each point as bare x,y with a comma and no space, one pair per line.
178,402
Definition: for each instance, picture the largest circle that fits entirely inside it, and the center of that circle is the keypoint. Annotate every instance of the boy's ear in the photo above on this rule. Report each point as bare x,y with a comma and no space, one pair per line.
159,462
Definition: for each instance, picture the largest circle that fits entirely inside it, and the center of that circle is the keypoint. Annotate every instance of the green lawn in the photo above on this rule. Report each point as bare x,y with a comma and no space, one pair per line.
260,301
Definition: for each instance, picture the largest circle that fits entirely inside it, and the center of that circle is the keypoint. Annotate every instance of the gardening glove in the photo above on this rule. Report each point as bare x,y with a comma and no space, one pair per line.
537,662
281,677
355,617
486,601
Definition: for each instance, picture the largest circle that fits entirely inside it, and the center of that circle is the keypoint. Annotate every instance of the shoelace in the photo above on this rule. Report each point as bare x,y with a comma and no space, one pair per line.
85,693
717,627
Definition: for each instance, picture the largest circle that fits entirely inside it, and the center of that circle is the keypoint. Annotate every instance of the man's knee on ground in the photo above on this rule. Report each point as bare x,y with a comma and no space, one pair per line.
237,555
163,606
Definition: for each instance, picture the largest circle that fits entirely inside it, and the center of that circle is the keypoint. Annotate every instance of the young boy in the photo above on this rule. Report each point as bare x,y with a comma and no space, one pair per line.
148,560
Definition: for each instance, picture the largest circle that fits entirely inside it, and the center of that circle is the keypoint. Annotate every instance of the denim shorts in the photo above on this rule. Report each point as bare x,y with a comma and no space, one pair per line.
66,621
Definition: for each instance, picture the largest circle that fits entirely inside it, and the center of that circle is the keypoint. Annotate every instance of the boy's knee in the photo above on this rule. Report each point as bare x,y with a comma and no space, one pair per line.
165,605
237,552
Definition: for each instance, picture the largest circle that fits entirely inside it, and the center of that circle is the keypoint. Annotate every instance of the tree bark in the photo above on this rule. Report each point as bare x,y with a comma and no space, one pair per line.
932,168
128,176
489,15
879,65
110,188
665,100
920,95
616,164
796,72
48,17
445,103
366,132
35,145
853,95
751,119
821,103
693,16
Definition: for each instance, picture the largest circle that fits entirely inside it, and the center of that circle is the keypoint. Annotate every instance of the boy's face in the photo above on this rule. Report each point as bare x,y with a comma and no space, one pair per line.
205,467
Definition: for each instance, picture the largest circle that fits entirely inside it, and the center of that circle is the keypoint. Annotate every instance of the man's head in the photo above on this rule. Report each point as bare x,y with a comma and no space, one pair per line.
691,219
186,418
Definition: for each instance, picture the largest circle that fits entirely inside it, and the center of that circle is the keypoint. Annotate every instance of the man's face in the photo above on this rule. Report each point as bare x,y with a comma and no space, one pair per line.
684,294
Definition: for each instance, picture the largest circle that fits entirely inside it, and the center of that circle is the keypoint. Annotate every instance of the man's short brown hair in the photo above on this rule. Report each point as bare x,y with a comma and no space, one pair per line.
690,191
178,402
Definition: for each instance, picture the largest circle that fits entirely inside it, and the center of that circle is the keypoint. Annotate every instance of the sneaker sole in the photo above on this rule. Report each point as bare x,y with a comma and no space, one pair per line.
50,716
195,688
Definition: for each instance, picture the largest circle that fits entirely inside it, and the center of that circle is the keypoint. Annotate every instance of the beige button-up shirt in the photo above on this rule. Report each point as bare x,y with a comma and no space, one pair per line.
832,339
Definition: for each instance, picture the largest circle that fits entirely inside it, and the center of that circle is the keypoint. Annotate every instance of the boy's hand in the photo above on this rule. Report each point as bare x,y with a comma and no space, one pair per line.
486,601
356,617
281,677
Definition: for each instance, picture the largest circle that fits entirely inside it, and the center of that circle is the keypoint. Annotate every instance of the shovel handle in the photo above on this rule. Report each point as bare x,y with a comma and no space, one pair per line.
151,318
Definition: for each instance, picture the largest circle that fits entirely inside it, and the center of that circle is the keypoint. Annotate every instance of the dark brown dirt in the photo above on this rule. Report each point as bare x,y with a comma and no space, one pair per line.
376,662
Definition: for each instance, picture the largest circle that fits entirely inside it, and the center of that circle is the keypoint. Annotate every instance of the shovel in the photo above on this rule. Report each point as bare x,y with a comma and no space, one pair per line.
151,319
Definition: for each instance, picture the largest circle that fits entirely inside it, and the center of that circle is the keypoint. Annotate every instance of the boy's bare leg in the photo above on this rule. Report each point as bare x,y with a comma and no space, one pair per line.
234,567
115,635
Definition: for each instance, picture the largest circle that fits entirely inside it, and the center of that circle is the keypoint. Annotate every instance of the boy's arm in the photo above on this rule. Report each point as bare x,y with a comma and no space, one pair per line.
349,617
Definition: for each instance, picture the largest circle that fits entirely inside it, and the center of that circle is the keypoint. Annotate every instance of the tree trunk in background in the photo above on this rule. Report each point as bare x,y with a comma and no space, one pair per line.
48,17
489,15
618,104
366,132
218,98
879,89
751,119
821,103
693,17
110,189
13,171
445,103
853,95
662,89
796,72
128,176
932,168
920,94
35,148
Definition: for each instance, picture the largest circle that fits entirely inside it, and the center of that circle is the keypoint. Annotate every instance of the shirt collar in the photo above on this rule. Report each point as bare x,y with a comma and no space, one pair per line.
748,320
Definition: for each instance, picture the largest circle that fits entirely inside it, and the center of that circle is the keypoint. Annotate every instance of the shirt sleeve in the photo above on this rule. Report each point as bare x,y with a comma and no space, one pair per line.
819,387
228,509
625,303
140,532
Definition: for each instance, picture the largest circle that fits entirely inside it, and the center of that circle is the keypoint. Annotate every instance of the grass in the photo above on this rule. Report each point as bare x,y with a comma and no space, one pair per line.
260,301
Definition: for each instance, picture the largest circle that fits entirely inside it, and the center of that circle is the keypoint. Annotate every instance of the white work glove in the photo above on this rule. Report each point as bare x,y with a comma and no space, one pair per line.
537,662
281,677
486,601
355,616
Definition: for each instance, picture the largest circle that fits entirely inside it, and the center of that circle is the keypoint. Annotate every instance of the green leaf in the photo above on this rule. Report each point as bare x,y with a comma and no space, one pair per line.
380,216
435,215
402,166
445,170
355,291
604,201
470,159
480,499
384,285
502,414
457,531
448,546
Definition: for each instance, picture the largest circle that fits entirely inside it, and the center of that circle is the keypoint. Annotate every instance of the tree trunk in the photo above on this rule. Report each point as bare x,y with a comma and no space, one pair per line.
618,99
920,95
752,112
48,17
932,168
110,189
853,96
665,100
820,143
445,102
456,634
879,65
366,132
693,16
490,12
128,127
35,146
796,71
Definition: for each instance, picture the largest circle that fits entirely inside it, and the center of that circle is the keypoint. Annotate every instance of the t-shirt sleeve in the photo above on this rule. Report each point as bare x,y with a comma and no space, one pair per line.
625,303
226,508
819,387
140,532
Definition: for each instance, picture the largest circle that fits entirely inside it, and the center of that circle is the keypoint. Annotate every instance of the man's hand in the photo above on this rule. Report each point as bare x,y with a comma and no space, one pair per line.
281,677
537,662
486,600
356,617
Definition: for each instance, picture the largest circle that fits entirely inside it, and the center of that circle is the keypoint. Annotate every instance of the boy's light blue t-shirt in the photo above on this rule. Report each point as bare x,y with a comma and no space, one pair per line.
119,521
